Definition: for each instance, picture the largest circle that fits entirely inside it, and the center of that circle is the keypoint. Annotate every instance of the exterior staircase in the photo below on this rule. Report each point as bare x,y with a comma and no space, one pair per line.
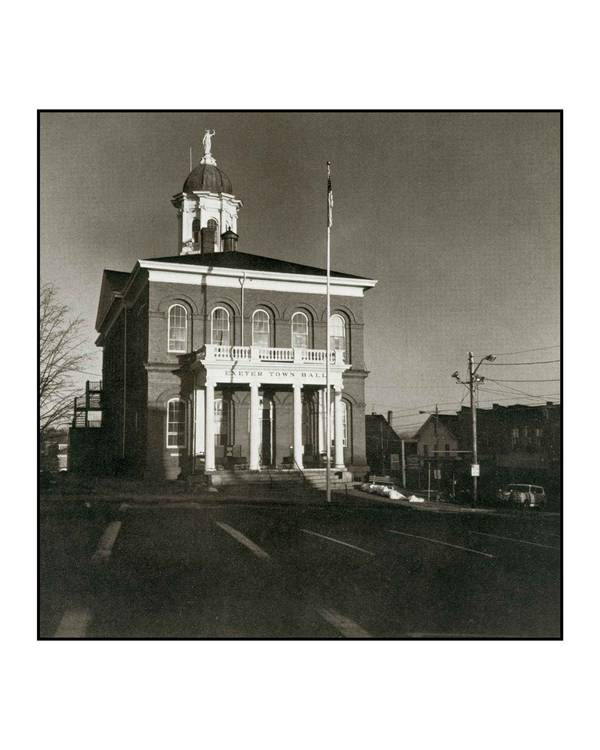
309,480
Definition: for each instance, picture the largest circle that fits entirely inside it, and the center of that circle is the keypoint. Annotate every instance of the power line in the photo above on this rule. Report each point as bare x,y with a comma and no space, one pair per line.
549,380
507,388
513,364
525,351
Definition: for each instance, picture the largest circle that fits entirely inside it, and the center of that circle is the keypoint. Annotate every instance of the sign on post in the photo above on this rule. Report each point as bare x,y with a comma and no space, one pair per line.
474,470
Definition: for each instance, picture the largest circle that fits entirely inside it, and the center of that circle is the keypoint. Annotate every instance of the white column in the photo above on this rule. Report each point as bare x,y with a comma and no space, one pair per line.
199,421
209,428
339,429
298,425
254,428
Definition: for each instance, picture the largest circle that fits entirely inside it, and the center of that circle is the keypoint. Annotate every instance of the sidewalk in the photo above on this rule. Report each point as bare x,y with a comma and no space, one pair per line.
431,506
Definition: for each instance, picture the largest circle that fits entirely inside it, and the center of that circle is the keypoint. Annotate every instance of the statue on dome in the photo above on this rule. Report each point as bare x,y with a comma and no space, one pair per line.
206,142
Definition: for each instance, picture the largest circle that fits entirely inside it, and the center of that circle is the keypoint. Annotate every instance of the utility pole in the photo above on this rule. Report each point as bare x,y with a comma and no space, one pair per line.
472,382
403,467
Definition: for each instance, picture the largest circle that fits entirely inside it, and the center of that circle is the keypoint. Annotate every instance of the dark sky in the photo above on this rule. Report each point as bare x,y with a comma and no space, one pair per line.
456,215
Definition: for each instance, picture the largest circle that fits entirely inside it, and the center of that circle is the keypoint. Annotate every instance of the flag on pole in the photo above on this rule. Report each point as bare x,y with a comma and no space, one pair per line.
329,196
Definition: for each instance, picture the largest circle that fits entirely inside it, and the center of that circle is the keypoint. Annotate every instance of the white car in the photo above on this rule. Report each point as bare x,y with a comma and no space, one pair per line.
523,495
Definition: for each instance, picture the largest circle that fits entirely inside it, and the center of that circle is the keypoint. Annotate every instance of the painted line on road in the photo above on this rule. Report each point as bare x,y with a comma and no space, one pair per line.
106,542
512,539
446,544
258,551
347,627
338,541
74,623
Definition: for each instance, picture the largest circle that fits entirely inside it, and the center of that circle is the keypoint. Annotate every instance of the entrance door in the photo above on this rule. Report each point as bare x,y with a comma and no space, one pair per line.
310,437
266,452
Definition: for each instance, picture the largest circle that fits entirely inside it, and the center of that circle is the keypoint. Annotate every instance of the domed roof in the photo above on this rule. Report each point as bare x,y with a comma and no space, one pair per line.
208,177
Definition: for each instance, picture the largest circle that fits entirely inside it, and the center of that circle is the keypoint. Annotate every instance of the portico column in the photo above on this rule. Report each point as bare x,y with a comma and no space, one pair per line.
339,428
254,428
298,425
209,427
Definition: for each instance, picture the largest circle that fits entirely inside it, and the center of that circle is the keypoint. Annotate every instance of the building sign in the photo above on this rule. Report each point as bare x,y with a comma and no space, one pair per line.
273,374
474,470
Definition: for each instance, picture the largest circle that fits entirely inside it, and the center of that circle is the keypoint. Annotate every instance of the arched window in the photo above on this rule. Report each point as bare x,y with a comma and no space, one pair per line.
176,423
261,328
178,325
300,331
210,237
337,333
220,332
196,230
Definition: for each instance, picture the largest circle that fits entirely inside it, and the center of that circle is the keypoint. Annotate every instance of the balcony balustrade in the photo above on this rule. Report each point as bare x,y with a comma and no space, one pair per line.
218,353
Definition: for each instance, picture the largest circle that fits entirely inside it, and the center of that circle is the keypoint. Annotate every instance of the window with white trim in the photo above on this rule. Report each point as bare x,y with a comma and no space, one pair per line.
220,327
300,331
177,329
261,328
337,333
222,421
176,423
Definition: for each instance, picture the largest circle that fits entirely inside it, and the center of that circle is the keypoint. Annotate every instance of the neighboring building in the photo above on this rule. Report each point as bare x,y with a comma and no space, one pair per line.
54,450
384,446
438,437
214,358
516,443
526,443
86,440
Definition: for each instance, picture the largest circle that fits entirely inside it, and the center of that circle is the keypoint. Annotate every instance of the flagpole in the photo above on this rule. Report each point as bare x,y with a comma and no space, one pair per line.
327,351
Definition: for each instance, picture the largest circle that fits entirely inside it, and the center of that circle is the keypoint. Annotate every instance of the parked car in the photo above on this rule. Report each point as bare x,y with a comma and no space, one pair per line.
523,495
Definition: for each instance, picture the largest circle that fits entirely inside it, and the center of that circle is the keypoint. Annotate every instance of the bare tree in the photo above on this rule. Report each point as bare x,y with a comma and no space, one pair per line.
61,358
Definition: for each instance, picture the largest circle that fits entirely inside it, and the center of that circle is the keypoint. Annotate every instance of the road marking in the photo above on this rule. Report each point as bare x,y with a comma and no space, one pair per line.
74,623
258,551
338,541
446,544
347,627
106,542
512,539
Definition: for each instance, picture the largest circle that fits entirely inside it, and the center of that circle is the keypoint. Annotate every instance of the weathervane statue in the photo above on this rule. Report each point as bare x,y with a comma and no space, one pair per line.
207,145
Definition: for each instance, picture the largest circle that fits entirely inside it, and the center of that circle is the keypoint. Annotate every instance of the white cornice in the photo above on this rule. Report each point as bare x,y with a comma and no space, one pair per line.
234,273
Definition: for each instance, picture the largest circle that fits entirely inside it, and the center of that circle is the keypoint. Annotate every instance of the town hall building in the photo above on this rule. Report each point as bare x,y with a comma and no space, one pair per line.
214,358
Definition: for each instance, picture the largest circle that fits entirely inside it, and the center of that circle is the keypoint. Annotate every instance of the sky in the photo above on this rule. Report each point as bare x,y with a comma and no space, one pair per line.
456,214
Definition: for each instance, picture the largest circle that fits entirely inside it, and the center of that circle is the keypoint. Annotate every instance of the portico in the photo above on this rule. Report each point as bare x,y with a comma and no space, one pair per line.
255,378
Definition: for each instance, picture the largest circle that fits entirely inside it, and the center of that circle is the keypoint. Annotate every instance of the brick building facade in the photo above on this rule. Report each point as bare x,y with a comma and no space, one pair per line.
214,359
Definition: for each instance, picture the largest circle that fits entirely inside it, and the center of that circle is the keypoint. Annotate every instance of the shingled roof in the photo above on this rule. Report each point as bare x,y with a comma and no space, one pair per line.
250,262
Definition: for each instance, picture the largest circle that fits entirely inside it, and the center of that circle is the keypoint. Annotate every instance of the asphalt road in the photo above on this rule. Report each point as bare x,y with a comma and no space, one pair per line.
276,571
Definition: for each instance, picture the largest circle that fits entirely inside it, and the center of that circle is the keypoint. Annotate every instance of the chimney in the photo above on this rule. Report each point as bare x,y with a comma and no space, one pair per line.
390,415
230,239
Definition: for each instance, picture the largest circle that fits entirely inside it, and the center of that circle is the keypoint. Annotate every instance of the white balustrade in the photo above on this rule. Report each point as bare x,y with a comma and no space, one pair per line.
275,354
240,352
218,352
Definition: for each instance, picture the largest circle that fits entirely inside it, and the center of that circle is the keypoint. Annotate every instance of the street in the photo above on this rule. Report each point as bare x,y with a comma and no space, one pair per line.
276,570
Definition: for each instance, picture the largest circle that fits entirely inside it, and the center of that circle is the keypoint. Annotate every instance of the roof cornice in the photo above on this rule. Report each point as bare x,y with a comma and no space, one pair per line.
251,274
